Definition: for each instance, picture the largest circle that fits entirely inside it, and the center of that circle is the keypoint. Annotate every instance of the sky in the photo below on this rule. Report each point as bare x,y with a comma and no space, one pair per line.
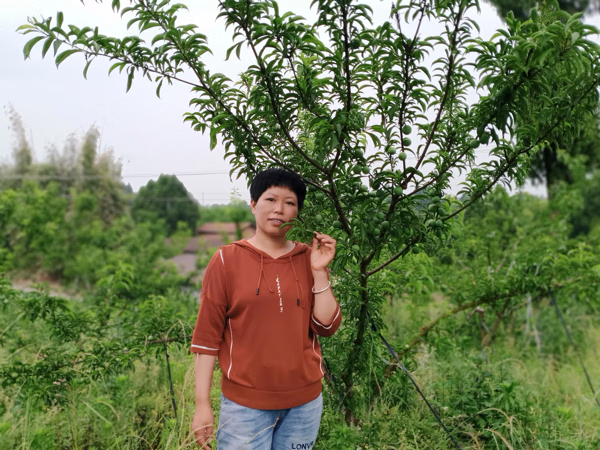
147,134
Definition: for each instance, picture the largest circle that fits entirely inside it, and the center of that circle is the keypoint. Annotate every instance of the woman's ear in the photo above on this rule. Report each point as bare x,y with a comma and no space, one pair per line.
252,205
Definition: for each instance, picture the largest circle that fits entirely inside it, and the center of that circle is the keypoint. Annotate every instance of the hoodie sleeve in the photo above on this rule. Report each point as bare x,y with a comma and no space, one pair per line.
329,328
208,332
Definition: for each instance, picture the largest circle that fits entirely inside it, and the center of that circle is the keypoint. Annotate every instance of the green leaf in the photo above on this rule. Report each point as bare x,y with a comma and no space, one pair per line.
57,45
86,69
158,88
158,37
29,46
214,131
130,79
132,21
64,55
59,19
25,27
114,66
46,46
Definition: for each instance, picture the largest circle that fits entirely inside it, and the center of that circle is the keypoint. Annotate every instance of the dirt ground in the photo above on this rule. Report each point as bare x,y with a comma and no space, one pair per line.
185,262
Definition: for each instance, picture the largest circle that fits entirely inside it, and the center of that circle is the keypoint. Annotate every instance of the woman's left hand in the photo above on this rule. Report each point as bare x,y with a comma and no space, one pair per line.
323,251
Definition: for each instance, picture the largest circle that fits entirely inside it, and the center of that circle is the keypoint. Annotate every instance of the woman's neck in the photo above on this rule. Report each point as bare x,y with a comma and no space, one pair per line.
270,245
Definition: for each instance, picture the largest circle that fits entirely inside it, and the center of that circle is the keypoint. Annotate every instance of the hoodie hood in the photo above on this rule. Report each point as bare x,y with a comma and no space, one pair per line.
297,250
288,258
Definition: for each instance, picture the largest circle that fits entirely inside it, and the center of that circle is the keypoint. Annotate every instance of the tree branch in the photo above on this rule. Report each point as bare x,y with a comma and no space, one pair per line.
338,206
347,78
446,94
395,198
272,98
225,107
402,252
490,336
509,164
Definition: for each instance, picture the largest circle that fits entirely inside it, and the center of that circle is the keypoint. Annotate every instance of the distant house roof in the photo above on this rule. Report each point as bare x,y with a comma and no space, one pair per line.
223,227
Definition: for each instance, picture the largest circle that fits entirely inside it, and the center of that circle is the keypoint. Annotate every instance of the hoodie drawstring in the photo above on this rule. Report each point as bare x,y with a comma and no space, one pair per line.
300,300
261,275
300,291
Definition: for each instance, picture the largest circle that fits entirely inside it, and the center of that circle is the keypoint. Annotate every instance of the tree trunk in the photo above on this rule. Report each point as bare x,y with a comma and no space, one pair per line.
549,169
348,377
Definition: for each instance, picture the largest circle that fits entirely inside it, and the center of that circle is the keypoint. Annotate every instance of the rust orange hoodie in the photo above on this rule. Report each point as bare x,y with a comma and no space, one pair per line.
256,316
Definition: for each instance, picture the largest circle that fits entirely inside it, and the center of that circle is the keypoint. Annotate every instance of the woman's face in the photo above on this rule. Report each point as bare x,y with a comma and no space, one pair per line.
276,206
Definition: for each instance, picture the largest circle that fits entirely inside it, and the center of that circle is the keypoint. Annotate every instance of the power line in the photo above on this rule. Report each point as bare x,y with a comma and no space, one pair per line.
180,174
182,199
223,198
152,175
100,177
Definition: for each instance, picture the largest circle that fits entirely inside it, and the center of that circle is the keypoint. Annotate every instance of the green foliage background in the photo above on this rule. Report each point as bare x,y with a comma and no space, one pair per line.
166,199
90,372
460,286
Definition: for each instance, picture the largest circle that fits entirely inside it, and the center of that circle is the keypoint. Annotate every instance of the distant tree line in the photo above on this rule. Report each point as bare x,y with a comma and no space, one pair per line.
69,215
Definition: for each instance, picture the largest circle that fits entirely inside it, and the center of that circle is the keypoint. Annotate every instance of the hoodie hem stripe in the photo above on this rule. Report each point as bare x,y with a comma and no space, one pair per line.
230,350
320,359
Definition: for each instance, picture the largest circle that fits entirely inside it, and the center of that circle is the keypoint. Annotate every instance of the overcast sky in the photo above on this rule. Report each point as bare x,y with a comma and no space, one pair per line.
147,134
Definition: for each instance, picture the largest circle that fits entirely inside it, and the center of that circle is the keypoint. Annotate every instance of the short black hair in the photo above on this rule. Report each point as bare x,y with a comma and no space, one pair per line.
278,177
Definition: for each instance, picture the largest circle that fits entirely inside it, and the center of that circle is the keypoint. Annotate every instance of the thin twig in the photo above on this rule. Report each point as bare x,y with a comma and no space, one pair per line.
170,380
490,336
271,92
405,370
451,61
574,344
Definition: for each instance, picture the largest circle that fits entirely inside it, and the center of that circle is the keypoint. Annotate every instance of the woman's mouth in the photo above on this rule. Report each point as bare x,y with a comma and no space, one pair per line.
277,222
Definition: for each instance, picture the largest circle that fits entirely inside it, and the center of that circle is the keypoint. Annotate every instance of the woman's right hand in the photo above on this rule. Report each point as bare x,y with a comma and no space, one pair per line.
202,425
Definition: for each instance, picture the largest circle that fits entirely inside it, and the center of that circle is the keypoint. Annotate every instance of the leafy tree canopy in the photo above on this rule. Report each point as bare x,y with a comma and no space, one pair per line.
560,161
167,199
569,160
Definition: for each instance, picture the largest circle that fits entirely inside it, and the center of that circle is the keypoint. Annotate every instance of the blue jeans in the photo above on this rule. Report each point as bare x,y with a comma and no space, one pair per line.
259,429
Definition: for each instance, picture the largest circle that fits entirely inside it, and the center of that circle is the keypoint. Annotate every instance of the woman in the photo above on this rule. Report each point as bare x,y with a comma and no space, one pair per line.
263,302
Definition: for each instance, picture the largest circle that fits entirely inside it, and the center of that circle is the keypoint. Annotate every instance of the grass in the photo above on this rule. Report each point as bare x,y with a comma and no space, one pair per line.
506,396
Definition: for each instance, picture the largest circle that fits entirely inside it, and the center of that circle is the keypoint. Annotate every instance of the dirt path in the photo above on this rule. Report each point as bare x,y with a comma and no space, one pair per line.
185,262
